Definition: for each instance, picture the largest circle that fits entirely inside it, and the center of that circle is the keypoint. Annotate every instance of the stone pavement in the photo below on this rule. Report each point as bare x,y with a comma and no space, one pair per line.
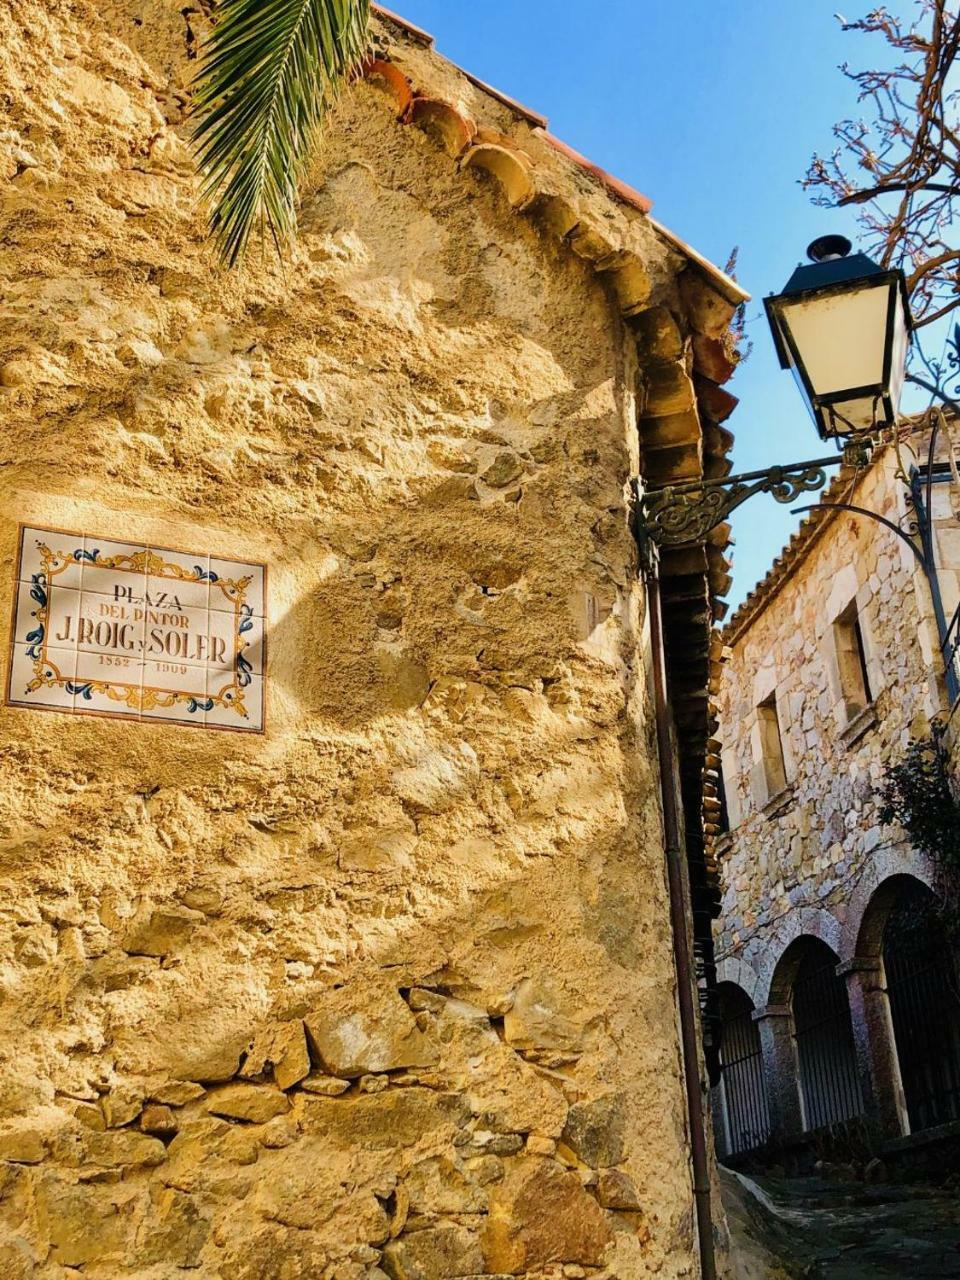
783,1228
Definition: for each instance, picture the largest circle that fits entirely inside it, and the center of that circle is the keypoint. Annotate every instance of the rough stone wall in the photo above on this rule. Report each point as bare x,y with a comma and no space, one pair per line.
388,989
793,862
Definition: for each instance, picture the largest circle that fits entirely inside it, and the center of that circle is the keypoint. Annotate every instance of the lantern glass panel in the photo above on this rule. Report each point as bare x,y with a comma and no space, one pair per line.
841,338
901,345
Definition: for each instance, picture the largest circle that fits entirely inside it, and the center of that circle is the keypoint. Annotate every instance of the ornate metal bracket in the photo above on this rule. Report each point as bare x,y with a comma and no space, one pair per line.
680,514
685,513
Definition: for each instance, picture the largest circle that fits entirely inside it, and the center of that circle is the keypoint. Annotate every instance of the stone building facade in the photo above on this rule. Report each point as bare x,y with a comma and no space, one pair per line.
830,999
380,981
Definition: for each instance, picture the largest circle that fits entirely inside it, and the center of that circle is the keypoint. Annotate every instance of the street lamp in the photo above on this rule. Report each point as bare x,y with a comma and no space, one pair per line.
842,326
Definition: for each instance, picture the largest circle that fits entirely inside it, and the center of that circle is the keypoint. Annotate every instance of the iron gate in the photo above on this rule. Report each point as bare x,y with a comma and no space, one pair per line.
925,1008
824,1036
745,1099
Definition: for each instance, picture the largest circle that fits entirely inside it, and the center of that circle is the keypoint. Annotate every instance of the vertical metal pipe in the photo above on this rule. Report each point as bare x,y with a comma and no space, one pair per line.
680,922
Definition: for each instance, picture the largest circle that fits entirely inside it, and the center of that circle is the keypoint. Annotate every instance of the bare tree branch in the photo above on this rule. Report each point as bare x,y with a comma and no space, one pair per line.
908,148
883,189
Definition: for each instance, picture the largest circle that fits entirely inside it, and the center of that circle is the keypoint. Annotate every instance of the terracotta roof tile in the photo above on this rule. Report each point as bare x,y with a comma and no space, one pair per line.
418,33
534,117
620,189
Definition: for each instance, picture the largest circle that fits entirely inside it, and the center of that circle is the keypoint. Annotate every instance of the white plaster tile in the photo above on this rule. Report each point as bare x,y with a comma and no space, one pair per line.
115,698
62,545
176,635
219,682
108,626
63,614
106,581
254,593
178,713
116,669
59,665
27,621
228,717
224,627
175,677
192,591
253,644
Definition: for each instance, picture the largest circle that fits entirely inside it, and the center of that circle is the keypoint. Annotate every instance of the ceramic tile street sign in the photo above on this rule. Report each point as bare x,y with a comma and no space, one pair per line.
128,629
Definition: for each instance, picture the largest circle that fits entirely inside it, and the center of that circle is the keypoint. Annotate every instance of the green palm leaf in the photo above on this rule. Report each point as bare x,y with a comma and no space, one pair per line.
269,70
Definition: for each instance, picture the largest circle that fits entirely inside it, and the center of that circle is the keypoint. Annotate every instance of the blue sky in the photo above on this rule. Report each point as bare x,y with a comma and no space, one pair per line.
713,111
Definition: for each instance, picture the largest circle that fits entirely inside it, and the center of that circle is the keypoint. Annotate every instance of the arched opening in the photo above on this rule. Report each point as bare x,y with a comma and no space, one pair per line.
823,1033
745,1119
921,983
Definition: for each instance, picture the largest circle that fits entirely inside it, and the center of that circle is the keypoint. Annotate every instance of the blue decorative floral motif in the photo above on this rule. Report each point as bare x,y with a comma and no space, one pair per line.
244,668
204,575
196,704
90,556
38,593
84,690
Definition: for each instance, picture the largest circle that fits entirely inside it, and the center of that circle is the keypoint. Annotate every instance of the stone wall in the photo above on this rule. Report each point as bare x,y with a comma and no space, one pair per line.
389,988
804,850
832,665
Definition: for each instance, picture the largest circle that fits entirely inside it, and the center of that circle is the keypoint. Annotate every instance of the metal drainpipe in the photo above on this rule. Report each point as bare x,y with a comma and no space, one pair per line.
678,884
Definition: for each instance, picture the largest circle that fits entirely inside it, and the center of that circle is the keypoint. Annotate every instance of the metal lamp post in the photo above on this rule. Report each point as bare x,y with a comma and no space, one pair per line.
842,325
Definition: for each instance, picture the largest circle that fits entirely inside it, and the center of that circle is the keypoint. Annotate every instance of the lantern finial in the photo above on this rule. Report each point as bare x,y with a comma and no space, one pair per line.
828,248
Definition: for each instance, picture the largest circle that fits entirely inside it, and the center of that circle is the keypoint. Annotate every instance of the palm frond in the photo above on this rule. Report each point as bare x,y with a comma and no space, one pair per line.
269,70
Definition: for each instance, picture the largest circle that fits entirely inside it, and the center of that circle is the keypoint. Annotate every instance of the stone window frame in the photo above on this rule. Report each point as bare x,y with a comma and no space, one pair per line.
773,764
854,678
729,775
771,747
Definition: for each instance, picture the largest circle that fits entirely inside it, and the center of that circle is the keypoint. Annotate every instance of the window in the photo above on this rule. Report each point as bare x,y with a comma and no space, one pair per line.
723,815
771,747
852,662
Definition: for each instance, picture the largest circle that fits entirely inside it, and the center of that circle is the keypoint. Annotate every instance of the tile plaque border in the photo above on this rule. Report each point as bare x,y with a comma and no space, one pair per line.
143,703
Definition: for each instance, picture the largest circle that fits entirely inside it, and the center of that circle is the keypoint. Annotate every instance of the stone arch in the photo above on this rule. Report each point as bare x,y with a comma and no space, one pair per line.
902,920
821,1022
740,974
741,1110
870,903
813,922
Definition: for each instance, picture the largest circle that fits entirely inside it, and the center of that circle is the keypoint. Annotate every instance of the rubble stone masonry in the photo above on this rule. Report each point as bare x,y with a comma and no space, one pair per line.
806,849
386,989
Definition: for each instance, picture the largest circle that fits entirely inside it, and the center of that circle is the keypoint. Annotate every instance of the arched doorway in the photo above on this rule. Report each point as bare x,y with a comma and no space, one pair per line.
921,983
826,1056
746,1122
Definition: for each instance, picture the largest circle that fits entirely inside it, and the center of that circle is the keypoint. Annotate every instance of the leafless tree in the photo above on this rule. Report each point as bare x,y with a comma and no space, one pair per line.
900,162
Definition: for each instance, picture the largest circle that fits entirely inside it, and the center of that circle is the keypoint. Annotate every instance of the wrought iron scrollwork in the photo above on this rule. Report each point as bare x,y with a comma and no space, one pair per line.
682,514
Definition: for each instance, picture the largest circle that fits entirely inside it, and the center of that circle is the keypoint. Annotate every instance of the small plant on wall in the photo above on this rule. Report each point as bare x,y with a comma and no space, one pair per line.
919,794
